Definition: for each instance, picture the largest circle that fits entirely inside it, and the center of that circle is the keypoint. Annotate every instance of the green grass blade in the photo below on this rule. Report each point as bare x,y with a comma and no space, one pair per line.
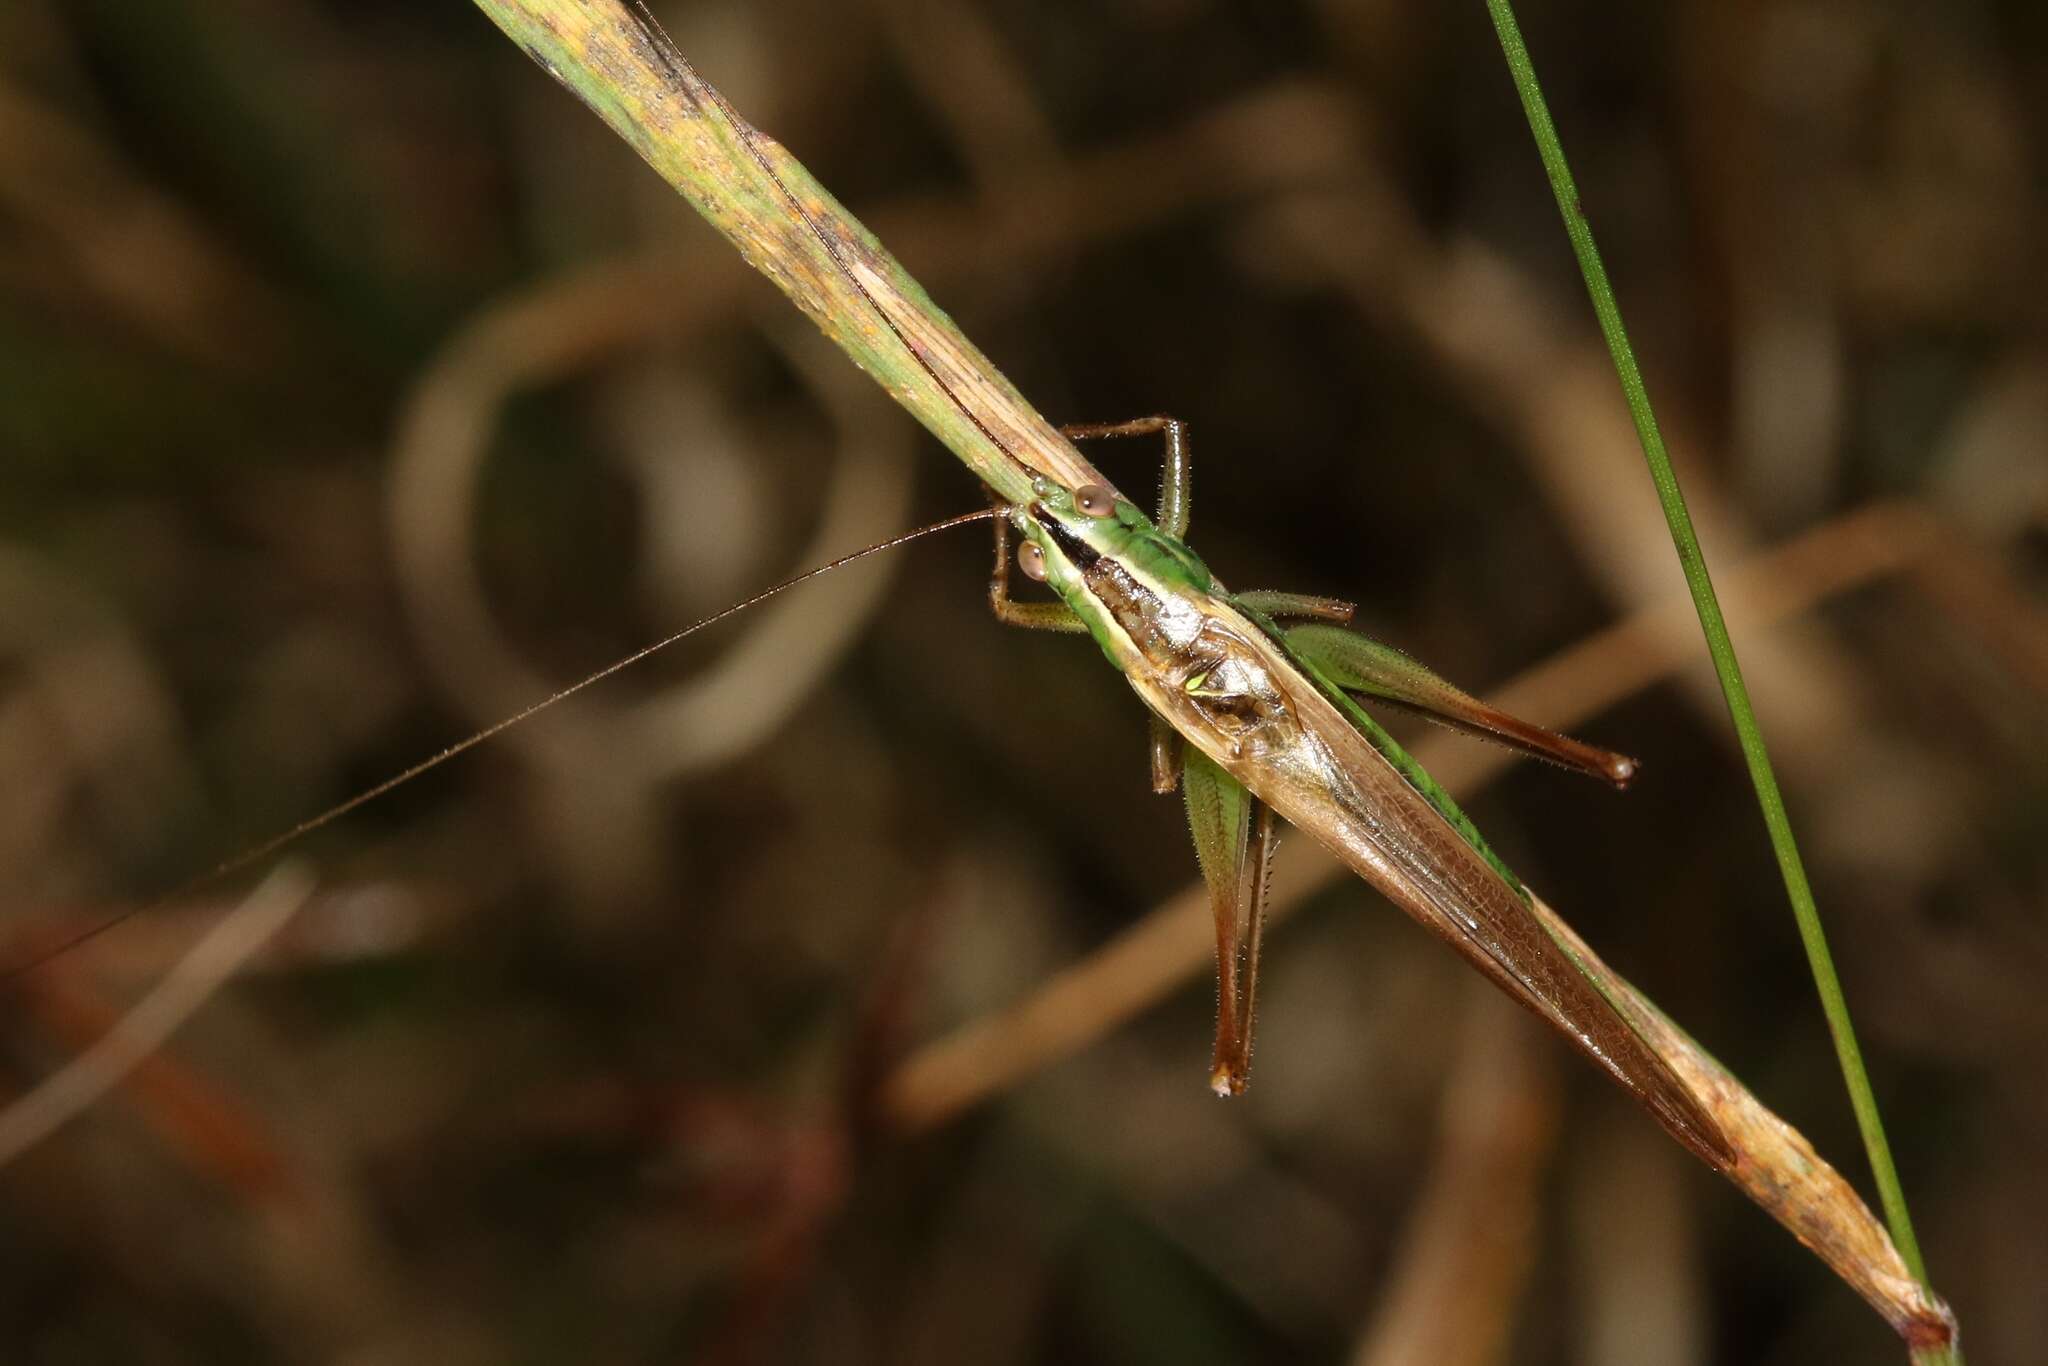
1715,627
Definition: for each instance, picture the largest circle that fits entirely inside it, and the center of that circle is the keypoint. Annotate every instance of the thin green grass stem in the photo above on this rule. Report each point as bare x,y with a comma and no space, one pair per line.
1740,711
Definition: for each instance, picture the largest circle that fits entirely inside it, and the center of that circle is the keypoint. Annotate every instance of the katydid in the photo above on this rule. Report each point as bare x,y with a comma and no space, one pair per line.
1253,718
1250,717
1268,712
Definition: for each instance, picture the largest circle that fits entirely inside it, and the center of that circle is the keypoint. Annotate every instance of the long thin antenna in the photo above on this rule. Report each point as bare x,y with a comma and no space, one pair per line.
334,813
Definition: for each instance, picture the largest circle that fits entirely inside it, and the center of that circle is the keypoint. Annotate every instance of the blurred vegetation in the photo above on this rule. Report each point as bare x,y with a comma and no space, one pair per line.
356,386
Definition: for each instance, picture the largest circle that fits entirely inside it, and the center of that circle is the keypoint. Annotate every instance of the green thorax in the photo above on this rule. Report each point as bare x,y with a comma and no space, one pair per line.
1121,574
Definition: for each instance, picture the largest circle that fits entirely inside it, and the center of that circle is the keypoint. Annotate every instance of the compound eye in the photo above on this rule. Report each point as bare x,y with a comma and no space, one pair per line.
1095,500
1031,560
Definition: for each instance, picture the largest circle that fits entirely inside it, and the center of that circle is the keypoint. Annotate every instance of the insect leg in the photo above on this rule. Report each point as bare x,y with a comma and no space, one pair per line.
1361,665
1036,616
1296,606
1175,477
1234,841
1166,756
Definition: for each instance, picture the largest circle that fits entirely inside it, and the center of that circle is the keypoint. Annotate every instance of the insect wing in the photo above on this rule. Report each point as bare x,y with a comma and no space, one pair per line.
1310,753
1394,837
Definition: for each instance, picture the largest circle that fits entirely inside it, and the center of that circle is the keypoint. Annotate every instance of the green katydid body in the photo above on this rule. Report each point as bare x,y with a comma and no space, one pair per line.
1253,701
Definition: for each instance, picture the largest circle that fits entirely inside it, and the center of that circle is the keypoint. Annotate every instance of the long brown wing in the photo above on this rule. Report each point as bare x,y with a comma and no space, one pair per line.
1294,746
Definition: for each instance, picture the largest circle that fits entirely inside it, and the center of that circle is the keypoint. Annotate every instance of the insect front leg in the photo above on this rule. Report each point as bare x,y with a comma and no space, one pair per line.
1176,491
1165,744
1035,616
1176,477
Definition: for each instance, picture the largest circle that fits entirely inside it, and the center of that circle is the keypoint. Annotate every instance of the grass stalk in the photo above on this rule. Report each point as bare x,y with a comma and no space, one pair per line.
613,56
1726,667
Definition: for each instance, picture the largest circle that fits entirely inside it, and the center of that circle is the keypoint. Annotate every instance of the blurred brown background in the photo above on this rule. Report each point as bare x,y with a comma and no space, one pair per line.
357,387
